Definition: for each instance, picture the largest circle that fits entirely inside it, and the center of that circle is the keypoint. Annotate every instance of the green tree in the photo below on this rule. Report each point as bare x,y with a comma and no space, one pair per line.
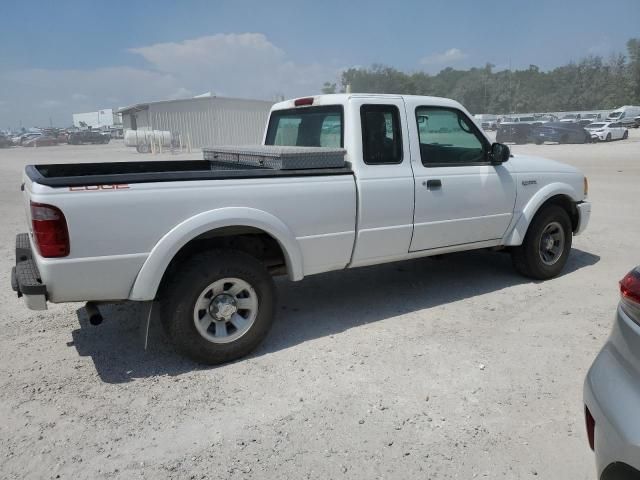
590,83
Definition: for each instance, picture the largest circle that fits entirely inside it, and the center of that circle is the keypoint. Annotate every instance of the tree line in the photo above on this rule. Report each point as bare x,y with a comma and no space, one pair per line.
593,83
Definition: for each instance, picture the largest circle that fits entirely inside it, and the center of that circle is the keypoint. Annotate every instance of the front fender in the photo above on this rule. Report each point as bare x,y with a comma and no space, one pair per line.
148,279
515,235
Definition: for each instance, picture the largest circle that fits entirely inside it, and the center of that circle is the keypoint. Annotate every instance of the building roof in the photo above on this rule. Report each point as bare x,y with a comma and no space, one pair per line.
145,106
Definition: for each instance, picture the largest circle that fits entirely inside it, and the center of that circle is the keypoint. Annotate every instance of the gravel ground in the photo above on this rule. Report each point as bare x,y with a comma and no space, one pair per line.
451,368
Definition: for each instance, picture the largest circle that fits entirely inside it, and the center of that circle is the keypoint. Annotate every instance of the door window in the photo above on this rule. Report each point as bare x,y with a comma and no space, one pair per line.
381,134
448,138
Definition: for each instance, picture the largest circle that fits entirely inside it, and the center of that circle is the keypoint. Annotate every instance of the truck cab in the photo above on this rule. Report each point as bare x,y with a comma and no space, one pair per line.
427,178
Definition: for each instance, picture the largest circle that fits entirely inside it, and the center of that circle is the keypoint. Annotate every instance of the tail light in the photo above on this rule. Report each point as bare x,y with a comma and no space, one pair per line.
630,294
49,230
301,102
591,428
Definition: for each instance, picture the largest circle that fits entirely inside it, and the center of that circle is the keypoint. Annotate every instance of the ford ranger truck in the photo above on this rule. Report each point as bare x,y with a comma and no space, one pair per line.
202,243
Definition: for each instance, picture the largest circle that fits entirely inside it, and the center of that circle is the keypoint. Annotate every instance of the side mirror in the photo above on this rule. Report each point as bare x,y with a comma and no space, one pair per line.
500,153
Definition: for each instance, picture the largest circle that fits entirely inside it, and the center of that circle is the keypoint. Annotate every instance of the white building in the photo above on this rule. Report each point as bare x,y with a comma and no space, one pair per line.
202,121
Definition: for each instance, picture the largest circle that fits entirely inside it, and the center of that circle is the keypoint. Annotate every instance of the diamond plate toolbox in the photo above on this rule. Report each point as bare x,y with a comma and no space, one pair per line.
277,157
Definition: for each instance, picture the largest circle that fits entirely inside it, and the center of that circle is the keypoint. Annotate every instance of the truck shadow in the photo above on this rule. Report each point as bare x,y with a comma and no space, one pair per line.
321,305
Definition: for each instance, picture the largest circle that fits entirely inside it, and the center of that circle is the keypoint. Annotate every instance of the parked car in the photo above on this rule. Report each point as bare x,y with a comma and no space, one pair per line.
592,117
206,236
5,141
546,118
514,132
24,137
560,132
624,115
487,122
583,122
605,132
87,136
570,117
612,391
40,141
517,119
637,122
489,125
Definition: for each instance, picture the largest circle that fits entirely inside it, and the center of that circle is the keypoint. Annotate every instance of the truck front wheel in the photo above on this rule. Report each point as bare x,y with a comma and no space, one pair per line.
546,245
218,306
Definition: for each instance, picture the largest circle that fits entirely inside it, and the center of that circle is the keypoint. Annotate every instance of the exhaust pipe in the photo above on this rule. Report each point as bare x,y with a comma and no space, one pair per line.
95,317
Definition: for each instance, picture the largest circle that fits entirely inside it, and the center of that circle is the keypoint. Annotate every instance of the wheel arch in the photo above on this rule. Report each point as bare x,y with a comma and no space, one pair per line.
562,195
208,228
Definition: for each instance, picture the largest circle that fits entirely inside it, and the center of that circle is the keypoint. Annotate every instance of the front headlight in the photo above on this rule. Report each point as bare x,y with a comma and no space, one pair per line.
586,187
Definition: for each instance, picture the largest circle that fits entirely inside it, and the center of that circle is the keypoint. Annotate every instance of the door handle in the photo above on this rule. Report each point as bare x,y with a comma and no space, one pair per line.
433,184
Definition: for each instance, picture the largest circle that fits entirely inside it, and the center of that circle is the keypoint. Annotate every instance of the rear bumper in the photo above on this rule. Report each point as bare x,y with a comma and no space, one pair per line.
584,214
25,276
612,395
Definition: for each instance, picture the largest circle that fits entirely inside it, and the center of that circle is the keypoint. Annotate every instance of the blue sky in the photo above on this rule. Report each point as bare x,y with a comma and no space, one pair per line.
61,57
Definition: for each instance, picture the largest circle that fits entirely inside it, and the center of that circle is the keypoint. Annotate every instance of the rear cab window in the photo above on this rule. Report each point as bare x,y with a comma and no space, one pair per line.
321,126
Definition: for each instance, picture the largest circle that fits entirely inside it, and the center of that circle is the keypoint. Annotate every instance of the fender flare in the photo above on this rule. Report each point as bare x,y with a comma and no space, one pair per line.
515,234
149,277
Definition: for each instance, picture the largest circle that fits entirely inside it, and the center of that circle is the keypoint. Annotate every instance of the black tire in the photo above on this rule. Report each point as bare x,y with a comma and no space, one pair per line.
539,142
528,259
144,148
564,139
625,135
608,139
180,294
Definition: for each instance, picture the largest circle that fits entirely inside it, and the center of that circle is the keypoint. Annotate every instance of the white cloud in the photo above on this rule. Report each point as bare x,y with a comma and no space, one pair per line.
452,55
235,64
242,65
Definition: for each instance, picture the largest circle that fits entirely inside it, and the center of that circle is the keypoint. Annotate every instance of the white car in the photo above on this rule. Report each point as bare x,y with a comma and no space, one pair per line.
612,391
368,179
605,132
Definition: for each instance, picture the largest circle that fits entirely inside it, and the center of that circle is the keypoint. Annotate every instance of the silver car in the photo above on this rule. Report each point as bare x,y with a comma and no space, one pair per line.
612,391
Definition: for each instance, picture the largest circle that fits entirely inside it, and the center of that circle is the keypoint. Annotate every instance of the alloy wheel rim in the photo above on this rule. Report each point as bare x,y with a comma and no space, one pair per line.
551,243
225,310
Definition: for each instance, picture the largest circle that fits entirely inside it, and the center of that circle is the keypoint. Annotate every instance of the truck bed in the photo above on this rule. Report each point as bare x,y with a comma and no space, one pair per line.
80,174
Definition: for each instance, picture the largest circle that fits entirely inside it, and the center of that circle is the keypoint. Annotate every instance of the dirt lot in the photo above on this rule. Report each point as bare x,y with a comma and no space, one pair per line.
452,368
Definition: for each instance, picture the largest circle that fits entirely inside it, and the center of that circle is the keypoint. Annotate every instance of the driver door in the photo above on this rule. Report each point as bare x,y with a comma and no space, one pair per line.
460,197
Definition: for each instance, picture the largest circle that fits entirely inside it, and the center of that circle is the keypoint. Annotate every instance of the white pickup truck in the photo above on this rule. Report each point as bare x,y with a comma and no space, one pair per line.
203,242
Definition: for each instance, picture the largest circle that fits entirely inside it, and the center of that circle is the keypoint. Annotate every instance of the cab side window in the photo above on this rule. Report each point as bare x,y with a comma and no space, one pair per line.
449,138
381,134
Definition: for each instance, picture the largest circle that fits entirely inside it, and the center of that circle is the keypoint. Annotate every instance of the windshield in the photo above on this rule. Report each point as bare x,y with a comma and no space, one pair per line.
591,115
306,127
527,119
615,114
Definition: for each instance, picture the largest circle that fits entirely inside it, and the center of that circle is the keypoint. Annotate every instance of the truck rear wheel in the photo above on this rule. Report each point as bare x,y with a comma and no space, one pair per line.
218,306
546,246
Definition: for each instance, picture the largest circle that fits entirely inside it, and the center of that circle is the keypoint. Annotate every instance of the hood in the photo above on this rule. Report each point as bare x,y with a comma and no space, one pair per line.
528,163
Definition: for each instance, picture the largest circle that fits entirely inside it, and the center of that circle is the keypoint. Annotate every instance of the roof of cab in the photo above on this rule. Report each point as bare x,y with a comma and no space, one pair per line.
343,98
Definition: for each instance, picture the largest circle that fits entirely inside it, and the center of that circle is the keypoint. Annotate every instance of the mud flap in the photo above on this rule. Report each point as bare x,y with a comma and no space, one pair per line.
145,324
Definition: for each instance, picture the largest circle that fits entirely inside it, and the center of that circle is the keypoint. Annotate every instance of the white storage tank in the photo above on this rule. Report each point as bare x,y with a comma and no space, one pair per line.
143,139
